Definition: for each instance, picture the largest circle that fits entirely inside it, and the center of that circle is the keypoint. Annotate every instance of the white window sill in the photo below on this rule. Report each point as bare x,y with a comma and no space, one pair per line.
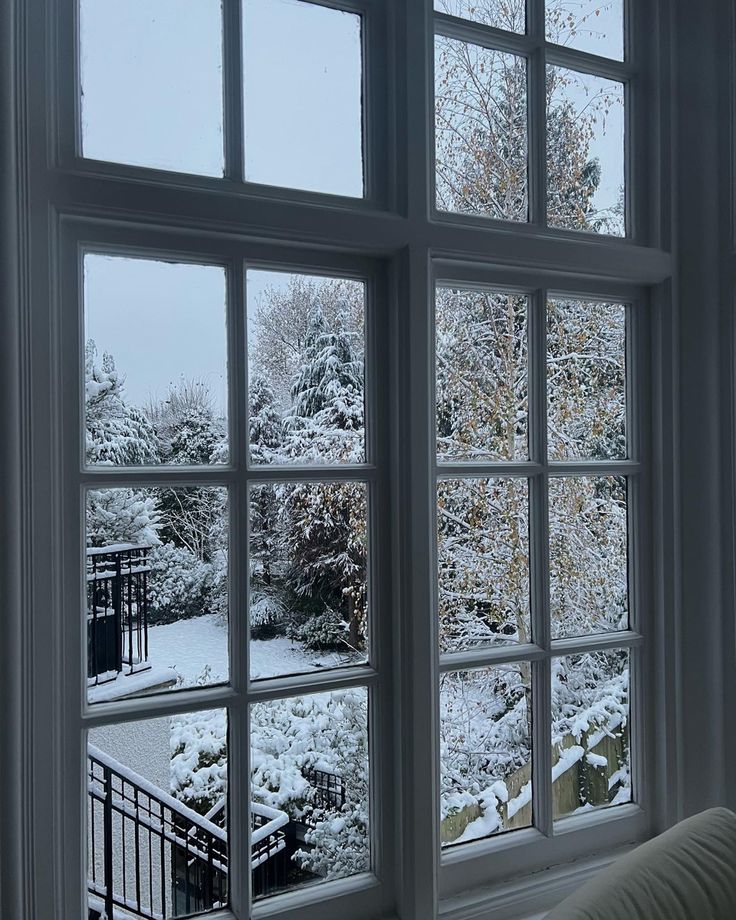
528,898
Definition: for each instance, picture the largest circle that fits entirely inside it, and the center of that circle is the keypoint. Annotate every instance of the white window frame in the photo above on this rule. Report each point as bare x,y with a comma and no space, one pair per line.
395,238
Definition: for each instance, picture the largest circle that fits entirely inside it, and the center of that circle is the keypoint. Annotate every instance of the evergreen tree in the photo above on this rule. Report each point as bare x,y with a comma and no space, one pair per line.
327,419
116,434
190,432
266,432
121,516
266,428
325,523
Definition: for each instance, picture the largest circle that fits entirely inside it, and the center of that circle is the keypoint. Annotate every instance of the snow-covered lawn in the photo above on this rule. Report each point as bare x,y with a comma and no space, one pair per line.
190,646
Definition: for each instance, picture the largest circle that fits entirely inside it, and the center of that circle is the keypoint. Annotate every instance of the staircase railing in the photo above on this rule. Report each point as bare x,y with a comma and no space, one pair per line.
150,855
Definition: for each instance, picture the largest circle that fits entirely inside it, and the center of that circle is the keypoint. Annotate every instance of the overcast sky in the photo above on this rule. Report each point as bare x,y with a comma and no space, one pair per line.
152,95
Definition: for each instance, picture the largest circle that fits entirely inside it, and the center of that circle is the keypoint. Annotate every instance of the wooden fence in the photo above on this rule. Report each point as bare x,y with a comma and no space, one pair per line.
581,782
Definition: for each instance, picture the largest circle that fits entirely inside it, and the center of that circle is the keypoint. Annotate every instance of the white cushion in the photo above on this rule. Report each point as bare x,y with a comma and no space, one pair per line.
687,873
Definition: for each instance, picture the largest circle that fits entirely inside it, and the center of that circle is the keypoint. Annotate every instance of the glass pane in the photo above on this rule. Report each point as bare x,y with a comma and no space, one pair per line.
157,593
585,152
510,15
485,752
483,560
591,756
155,362
481,375
152,83
596,26
310,790
586,380
157,829
480,130
588,555
303,96
306,358
308,581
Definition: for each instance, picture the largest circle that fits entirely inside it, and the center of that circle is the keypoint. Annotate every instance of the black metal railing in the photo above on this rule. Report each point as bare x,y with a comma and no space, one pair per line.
150,855
329,788
117,610
271,849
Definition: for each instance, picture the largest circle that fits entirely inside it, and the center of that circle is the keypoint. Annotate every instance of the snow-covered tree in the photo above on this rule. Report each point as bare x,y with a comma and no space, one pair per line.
193,520
481,379
326,420
116,432
586,380
481,116
482,414
483,562
588,555
179,584
324,534
267,564
121,516
266,427
323,525
281,320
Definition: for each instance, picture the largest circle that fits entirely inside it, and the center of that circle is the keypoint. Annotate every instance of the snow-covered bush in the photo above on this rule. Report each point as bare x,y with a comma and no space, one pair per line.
266,614
328,732
322,631
485,737
179,584
198,771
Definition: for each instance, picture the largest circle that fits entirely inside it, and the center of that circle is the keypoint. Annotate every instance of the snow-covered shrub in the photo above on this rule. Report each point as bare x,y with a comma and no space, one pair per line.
328,732
179,584
218,597
198,770
485,738
322,631
266,614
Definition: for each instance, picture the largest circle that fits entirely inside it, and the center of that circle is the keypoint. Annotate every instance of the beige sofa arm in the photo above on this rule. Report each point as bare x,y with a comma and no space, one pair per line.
687,873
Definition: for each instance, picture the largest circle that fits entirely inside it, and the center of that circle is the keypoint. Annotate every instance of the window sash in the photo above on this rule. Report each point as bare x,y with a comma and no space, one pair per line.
238,476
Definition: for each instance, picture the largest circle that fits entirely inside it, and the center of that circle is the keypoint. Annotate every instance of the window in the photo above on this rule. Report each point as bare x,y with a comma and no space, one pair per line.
532,555
346,559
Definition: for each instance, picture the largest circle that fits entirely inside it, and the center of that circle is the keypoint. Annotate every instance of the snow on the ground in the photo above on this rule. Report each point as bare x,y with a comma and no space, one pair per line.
192,645
270,657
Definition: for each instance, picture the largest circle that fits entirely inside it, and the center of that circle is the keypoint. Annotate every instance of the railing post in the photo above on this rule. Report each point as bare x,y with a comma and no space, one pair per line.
118,614
209,879
107,841
93,664
129,606
145,603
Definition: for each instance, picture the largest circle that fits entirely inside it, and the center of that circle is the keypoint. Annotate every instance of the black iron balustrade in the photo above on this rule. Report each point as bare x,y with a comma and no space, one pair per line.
271,847
117,610
150,856
329,790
